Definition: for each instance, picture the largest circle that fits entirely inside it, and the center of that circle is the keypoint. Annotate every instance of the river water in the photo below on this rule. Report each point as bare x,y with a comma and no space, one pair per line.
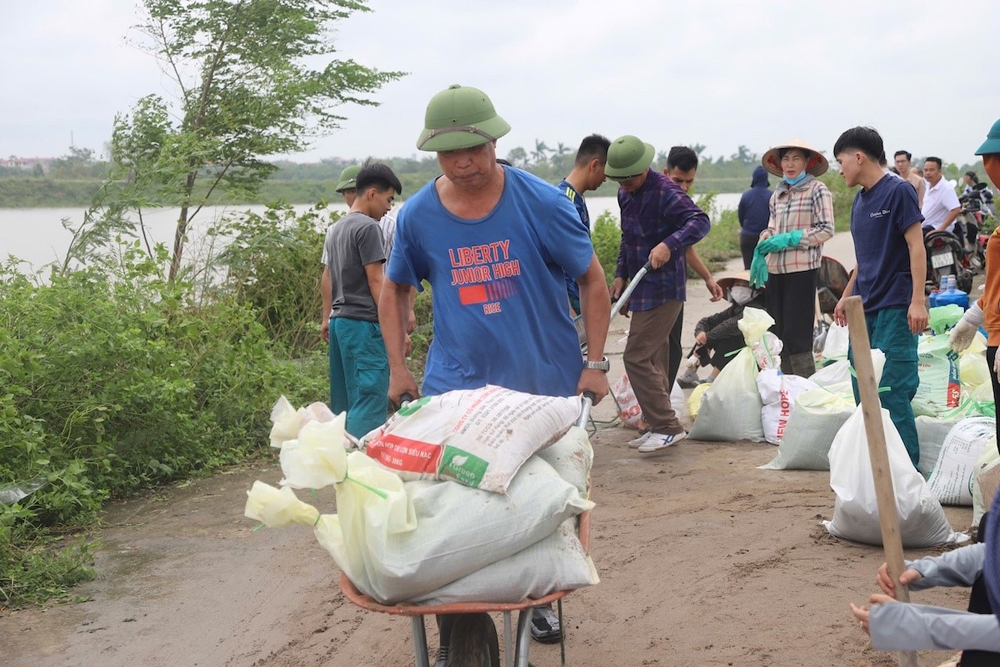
37,235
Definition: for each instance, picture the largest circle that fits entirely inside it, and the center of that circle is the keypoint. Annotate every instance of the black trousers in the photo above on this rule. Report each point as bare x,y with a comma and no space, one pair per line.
791,301
676,351
747,245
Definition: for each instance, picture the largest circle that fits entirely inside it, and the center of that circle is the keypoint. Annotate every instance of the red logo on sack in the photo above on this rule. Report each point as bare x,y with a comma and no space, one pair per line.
399,453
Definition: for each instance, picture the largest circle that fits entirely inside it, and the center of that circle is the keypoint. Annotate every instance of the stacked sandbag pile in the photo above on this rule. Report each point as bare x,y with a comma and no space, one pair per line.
438,539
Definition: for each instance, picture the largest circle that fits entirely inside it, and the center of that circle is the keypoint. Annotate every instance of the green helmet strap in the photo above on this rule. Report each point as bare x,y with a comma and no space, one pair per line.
430,134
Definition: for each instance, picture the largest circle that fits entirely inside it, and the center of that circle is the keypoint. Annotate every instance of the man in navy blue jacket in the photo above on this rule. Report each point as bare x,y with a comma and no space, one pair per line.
753,213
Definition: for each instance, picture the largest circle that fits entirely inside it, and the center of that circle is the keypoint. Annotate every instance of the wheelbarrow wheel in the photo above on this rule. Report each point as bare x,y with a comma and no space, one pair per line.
474,642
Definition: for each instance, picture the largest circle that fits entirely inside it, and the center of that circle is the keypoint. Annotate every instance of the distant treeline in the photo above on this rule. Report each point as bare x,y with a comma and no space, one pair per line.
75,179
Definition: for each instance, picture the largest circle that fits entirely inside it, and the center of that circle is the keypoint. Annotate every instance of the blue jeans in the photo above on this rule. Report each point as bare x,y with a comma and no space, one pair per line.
359,374
889,331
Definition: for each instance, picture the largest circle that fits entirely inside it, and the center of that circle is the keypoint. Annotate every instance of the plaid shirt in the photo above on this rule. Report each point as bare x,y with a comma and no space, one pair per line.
807,205
658,212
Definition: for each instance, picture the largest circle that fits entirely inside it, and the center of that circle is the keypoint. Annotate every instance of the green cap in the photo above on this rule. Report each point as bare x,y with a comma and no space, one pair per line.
992,143
348,178
460,117
628,156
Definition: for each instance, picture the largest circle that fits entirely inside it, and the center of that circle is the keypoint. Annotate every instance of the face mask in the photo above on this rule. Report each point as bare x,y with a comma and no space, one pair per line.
793,181
740,295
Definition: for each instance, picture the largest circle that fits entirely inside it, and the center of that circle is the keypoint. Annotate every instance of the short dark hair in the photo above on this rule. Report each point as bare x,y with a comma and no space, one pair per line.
806,153
909,157
933,159
864,139
682,157
972,175
379,176
593,147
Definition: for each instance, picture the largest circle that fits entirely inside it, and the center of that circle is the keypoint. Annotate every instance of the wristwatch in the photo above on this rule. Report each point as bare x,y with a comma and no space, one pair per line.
602,365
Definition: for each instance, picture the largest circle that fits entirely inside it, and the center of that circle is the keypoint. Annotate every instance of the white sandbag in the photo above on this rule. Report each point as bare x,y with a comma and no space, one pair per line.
937,367
777,394
951,478
628,405
837,342
458,530
767,351
985,480
922,522
679,403
836,373
730,408
931,432
556,563
572,457
477,437
817,417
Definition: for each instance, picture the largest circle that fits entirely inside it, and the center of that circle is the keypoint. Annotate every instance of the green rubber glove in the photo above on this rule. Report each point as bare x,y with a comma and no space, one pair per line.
758,269
780,242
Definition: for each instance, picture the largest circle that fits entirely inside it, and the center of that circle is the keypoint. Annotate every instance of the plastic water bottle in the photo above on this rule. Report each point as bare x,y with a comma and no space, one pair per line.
951,294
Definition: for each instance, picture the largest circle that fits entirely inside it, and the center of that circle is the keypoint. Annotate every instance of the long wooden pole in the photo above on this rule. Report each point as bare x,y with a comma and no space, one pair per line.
871,409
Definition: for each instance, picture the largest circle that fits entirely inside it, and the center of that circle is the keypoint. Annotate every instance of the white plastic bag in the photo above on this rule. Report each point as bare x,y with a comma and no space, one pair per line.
679,403
835,374
952,476
477,437
837,341
922,522
778,393
628,404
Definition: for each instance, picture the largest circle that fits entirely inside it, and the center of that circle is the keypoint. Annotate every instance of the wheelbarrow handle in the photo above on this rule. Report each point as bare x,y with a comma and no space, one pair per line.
586,402
646,268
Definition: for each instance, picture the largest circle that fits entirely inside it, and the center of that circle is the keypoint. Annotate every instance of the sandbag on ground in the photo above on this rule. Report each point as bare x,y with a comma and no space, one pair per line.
922,522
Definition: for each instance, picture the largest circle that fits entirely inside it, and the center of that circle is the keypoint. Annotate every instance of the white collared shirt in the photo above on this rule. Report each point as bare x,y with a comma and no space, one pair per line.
939,200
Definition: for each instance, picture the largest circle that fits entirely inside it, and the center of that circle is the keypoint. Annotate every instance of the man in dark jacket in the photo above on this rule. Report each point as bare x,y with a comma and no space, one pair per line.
753,213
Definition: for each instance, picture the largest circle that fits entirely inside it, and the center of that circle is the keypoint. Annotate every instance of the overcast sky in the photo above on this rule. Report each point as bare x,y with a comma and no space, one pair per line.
721,73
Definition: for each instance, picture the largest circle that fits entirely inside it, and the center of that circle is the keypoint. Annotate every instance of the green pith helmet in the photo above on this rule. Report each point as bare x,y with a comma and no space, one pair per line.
992,143
628,156
348,178
460,117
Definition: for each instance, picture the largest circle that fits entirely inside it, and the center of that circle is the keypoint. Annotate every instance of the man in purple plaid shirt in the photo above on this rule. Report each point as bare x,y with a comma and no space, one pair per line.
659,223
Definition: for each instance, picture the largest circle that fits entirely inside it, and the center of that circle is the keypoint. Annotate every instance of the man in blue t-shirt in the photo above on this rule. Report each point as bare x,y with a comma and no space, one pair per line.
587,174
494,243
890,274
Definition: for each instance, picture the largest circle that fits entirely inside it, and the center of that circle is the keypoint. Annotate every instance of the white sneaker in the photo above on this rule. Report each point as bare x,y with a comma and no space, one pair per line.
659,441
640,441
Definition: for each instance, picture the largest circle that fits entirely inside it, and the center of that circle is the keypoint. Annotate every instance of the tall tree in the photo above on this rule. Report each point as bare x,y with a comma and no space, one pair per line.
250,83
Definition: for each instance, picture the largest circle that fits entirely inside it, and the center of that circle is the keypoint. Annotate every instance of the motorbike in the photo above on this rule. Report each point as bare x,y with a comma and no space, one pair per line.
946,256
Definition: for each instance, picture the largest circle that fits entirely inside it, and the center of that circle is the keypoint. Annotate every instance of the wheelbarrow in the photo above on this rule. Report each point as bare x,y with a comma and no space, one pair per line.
474,641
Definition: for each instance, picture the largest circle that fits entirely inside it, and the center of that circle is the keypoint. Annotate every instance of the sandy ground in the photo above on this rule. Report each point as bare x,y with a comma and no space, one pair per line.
704,560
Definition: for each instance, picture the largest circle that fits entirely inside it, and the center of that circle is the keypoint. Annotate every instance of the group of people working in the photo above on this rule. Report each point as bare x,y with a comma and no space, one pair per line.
497,244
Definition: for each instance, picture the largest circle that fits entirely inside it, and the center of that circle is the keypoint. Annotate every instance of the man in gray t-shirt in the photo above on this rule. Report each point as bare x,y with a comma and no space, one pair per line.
354,270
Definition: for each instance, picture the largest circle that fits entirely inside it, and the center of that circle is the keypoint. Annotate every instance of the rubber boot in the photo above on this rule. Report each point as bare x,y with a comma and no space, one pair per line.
803,364
786,364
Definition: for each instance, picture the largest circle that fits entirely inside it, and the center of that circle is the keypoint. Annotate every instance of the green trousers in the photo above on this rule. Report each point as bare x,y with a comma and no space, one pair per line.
889,331
359,374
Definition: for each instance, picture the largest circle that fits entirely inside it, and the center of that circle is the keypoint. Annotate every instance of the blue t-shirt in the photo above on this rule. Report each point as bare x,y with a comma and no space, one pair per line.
581,209
879,217
499,294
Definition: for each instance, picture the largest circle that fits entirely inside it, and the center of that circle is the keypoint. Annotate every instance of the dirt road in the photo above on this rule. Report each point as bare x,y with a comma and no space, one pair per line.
704,560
